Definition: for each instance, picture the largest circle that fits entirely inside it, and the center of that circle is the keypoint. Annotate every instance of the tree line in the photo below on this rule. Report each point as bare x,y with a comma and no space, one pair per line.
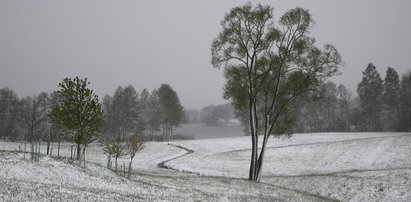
74,112
211,115
381,105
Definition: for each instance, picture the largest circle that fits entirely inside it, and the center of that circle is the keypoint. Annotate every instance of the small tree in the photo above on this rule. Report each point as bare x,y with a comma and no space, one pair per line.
118,147
79,113
114,147
134,145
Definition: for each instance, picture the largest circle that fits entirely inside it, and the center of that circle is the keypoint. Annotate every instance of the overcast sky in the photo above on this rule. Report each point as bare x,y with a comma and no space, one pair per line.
147,43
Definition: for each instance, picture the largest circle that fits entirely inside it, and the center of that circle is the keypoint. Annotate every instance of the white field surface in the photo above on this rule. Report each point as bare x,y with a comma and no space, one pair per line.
306,167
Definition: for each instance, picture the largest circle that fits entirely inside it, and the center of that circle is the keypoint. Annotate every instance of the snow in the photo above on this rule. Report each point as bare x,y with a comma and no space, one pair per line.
306,167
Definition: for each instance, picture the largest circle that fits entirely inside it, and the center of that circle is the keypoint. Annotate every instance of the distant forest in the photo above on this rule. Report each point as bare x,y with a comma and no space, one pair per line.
381,105
153,115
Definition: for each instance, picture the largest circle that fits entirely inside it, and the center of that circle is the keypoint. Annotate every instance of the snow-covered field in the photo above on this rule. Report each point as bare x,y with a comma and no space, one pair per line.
306,167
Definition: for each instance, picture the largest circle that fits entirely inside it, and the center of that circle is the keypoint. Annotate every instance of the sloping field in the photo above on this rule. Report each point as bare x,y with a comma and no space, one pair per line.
341,166
307,167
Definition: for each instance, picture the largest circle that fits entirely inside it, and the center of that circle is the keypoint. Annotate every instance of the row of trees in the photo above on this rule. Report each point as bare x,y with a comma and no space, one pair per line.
381,105
211,115
276,78
26,119
128,112
74,113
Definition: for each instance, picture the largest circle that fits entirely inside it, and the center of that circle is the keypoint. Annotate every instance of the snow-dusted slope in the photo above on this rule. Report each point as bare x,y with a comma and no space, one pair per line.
342,166
306,167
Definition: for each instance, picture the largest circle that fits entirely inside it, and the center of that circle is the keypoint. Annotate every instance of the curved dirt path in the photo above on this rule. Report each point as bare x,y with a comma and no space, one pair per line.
189,151
331,174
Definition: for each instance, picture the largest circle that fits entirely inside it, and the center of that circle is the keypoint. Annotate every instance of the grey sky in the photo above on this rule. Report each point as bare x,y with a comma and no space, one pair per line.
146,43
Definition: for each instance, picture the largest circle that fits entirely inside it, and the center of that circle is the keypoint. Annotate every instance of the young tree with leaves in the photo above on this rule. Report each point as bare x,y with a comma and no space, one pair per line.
133,146
267,68
79,113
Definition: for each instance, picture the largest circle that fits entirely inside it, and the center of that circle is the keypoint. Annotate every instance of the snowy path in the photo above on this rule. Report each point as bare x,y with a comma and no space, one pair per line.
354,167
307,167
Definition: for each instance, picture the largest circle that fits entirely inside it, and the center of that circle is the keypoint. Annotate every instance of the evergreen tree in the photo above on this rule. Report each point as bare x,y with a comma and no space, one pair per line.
405,103
391,100
370,91
79,113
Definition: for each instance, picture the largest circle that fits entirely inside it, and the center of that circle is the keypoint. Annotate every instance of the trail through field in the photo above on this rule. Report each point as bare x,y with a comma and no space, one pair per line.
370,167
307,167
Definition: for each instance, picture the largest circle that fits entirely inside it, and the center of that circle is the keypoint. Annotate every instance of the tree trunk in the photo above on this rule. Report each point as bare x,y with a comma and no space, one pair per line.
108,161
24,153
129,168
58,149
84,156
254,140
78,151
116,164
48,148
261,158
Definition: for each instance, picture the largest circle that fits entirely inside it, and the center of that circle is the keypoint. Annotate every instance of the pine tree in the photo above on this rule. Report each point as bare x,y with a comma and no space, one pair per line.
370,91
391,100
405,103
79,113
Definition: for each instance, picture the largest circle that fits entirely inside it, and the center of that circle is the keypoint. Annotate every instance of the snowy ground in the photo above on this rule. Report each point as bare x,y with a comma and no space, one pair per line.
307,167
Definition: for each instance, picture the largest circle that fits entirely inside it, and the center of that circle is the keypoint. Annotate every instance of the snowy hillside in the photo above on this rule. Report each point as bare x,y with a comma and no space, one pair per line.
306,167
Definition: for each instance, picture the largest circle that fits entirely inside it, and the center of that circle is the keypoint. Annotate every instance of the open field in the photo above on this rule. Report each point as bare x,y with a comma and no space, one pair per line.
307,167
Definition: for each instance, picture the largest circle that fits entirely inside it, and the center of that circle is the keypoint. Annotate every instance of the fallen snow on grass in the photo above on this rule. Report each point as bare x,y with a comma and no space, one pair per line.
306,167
341,166
60,180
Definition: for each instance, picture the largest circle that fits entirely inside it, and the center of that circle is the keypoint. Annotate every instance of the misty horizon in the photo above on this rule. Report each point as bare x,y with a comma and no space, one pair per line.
146,44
